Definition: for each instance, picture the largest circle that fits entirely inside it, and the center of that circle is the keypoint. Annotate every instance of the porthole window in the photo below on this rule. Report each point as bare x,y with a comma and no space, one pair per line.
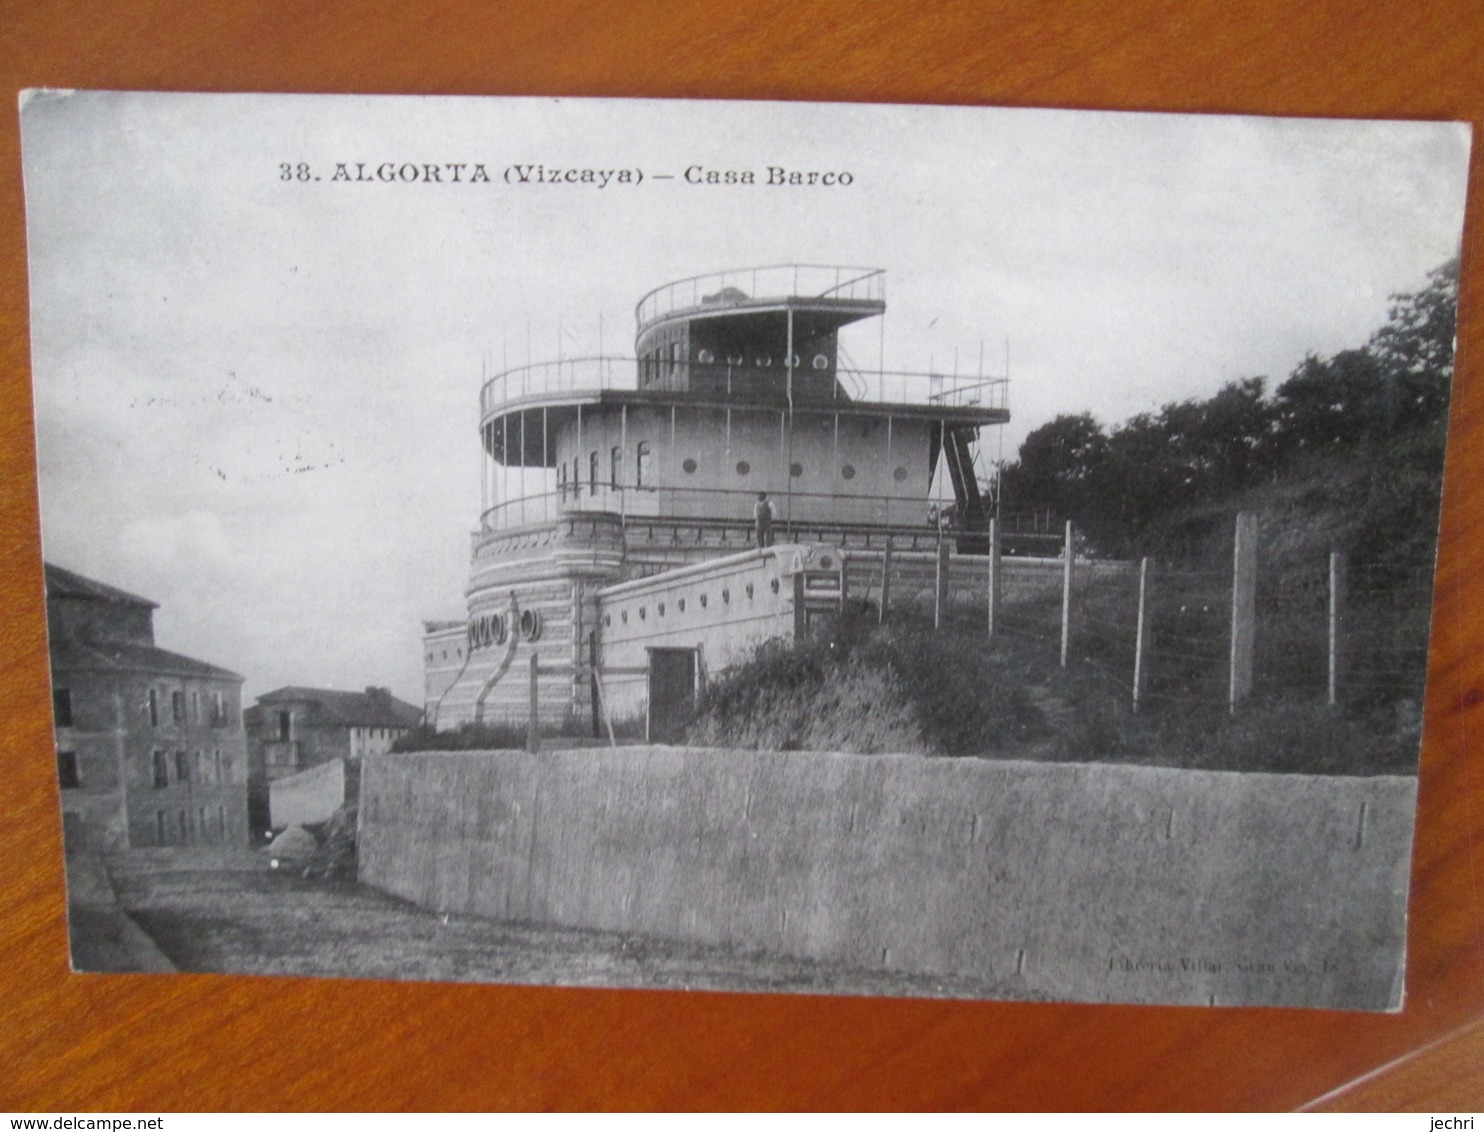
899,475
796,470
689,465
848,472
705,357
821,362
796,361
735,359
775,585
530,624
825,562
764,361
743,467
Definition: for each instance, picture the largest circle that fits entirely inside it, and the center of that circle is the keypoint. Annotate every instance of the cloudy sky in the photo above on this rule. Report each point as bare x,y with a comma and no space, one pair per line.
257,398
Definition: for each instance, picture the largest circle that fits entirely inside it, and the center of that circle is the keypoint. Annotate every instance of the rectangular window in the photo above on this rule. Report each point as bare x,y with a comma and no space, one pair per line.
183,827
161,829
160,763
221,822
203,768
62,706
285,726
195,707
154,709
201,823
216,765
182,767
177,706
641,464
615,470
67,773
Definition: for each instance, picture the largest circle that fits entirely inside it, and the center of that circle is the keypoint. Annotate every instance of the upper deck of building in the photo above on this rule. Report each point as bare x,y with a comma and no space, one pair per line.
760,338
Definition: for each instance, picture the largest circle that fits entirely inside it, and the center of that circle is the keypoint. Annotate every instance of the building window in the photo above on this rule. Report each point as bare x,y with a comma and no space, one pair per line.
178,706
218,710
160,828
160,765
592,473
182,767
216,765
195,707
285,726
154,709
67,772
201,823
221,822
62,706
641,464
183,826
615,468
203,768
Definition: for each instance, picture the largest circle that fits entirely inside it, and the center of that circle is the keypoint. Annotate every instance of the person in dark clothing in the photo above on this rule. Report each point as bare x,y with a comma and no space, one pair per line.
762,517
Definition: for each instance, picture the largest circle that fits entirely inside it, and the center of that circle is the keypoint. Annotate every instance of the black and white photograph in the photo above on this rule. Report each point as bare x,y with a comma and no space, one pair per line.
911,551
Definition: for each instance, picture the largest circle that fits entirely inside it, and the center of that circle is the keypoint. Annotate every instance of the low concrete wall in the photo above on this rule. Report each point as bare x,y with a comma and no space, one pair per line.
1097,883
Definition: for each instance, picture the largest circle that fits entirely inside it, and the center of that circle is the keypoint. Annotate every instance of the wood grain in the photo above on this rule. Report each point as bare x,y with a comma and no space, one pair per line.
205,1042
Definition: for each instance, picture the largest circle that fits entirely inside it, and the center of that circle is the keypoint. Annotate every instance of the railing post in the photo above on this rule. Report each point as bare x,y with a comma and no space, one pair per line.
1069,552
1244,607
1140,629
592,660
1337,596
844,582
533,735
994,579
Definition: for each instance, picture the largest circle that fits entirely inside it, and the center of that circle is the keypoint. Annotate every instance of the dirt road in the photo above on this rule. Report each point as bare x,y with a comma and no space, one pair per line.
232,913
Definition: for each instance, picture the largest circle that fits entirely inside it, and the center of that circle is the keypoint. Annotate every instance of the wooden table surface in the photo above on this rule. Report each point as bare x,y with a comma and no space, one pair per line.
208,1042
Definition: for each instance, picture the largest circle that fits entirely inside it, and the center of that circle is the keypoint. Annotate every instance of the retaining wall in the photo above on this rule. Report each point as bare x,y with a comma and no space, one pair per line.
1097,883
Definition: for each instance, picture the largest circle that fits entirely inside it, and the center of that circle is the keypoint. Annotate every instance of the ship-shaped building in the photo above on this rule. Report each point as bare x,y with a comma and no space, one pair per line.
625,498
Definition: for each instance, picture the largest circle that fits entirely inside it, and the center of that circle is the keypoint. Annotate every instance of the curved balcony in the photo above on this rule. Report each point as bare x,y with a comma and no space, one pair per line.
573,381
763,286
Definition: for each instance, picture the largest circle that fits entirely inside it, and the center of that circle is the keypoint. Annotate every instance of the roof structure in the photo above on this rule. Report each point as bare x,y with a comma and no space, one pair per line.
65,583
375,707
76,654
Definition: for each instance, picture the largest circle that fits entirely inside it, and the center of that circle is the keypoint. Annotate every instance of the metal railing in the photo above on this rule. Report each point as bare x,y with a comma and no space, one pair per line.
717,509
755,284
573,379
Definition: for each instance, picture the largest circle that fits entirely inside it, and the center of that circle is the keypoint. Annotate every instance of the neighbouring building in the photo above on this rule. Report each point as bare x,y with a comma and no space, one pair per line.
150,747
294,729
631,506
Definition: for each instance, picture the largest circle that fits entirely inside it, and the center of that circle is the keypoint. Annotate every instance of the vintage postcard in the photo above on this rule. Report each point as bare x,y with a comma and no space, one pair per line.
849,549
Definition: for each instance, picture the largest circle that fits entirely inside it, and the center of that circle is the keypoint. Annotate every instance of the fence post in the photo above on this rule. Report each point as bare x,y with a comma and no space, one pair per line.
1139,631
885,581
1244,607
1337,596
994,575
844,583
533,737
592,660
940,582
1069,551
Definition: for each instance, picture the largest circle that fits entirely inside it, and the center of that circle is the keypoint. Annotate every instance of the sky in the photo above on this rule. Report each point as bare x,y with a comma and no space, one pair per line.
256,386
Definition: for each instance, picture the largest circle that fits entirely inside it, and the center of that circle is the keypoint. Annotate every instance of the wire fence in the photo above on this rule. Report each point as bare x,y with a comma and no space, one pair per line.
1313,626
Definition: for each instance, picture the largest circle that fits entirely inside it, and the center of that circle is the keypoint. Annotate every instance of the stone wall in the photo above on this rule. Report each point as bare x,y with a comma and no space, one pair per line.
1132,884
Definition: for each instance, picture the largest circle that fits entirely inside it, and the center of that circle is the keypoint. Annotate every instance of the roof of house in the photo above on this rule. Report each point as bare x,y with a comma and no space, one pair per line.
65,583
76,654
375,707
